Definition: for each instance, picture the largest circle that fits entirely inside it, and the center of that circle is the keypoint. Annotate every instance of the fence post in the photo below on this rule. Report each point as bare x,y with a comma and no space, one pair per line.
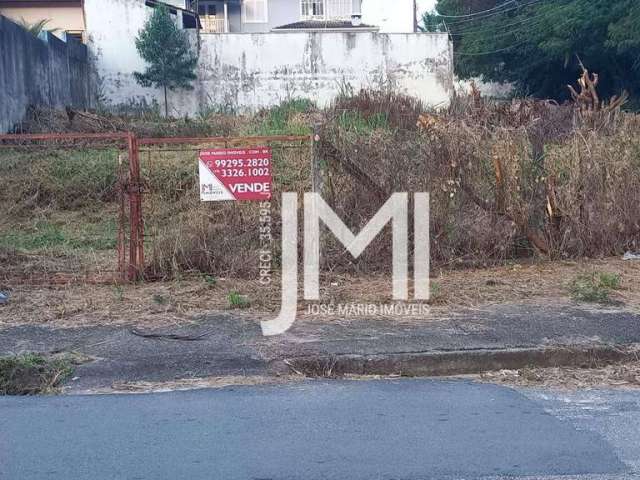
136,240
318,180
121,242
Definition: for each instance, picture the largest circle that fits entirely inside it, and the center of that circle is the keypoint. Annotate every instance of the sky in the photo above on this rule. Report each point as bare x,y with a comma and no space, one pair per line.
425,5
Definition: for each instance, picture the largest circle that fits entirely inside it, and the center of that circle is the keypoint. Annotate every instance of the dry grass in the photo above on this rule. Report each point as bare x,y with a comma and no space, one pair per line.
624,375
187,299
507,181
195,384
512,186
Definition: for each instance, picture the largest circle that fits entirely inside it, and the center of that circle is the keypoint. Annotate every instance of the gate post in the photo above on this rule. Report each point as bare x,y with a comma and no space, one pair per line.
318,167
136,239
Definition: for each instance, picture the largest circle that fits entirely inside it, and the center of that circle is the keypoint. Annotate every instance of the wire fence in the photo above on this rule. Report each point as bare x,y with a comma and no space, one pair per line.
63,207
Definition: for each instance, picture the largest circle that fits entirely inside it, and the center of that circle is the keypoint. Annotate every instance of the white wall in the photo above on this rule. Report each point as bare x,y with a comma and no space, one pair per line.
259,70
249,71
111,29
391,17
486,88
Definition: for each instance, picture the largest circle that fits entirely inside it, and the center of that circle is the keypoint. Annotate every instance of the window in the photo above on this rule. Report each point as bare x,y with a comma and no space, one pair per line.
76,35
207,10
325,9
312,9
254,11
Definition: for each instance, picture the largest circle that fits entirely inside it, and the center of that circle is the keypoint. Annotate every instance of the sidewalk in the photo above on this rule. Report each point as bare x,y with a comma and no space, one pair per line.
466,341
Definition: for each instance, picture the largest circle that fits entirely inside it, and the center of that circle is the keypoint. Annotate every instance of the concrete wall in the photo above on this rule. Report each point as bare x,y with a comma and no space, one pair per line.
253,71
42,71
487,89
250,71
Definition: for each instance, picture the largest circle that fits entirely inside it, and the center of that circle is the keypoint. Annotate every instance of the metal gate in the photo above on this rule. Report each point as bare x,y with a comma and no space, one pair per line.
140,191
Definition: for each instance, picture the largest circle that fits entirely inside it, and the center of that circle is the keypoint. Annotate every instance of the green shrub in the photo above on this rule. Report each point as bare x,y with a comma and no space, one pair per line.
356,122
595,287
284,119
238,301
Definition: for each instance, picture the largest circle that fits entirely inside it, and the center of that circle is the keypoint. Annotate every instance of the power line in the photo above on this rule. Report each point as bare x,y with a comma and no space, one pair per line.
497,7
520,6
500,50
535,18
475,31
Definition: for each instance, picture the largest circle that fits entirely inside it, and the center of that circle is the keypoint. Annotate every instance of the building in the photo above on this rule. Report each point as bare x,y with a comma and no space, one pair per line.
261,16
67,17
64,17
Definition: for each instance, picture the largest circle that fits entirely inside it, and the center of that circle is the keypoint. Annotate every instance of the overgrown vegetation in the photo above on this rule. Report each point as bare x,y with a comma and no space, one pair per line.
32,374
507,180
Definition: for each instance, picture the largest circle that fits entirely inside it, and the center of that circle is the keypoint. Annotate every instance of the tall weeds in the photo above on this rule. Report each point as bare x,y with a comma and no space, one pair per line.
506,180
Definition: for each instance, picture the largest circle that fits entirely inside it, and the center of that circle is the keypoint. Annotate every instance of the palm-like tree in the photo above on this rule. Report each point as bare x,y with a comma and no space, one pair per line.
36,28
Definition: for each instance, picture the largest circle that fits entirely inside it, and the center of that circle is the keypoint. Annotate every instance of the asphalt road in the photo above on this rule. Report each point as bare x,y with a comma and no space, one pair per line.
391,429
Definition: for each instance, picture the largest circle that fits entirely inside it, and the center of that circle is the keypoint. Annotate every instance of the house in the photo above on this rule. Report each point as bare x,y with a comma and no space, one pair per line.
67,18
64,17
261,16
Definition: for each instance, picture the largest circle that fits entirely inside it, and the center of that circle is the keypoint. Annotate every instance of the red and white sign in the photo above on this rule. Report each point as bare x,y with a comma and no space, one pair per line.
235,174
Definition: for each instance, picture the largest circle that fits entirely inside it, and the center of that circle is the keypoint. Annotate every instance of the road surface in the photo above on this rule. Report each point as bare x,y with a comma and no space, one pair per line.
388,429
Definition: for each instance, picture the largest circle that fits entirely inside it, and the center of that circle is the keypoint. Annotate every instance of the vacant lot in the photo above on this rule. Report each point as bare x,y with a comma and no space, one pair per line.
522,194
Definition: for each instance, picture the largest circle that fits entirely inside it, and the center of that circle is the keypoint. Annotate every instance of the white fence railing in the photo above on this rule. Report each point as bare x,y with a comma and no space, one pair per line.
212,24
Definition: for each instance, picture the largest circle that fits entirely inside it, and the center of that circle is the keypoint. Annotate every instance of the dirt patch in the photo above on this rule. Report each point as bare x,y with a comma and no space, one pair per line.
185,300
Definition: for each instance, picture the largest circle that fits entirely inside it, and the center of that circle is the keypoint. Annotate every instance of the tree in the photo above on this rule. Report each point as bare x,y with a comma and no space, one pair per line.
167,50
537,44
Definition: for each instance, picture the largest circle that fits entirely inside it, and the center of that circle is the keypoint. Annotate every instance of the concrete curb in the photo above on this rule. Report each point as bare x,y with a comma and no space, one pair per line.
460,362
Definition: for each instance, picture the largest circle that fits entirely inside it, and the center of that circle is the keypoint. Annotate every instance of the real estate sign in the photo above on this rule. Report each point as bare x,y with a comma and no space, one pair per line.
235,174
